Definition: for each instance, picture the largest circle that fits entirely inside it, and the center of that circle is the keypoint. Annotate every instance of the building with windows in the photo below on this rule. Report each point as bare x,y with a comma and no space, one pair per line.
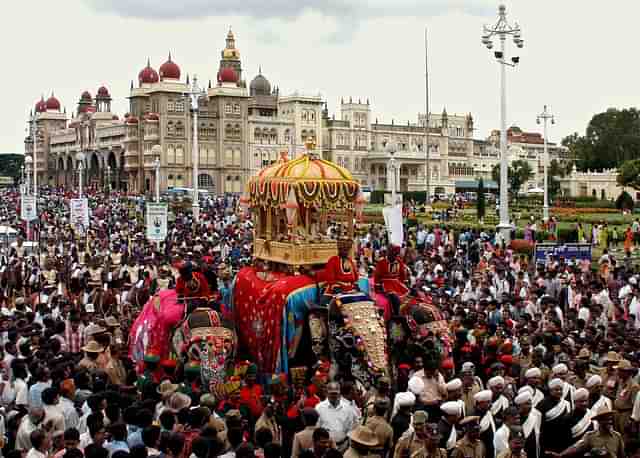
242,129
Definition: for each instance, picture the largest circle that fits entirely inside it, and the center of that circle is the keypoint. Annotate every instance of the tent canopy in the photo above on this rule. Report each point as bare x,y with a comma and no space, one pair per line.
472,185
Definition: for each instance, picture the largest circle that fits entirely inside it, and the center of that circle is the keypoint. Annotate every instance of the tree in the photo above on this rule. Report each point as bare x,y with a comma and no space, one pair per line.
554,172
10,165
480,202
624,201
518,174
611,138
629,174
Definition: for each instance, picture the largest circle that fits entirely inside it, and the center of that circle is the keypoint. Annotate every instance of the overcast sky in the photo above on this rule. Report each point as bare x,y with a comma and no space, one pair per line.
580,56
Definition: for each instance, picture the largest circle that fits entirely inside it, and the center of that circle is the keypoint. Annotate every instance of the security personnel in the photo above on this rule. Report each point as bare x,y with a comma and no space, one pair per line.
470,446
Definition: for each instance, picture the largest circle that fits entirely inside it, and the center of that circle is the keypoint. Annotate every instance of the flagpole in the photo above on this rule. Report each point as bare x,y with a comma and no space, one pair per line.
427,168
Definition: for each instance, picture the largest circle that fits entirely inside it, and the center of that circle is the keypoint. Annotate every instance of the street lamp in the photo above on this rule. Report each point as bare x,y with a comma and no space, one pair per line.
391,170
108,179
156,151
195,93
34,136
502,29
28,161
545,116
80,159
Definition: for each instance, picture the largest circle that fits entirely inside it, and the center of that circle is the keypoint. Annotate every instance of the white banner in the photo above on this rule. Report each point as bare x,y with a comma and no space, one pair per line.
80,214
156,222
28,208
393,221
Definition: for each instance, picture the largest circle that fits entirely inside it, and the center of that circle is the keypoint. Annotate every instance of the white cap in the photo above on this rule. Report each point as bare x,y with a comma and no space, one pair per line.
581,393
416,385
454,384
526,389
633,280
468,367
495,381
451,408
555,383
483,396
533,372
405,399
593,381
523,397
560,369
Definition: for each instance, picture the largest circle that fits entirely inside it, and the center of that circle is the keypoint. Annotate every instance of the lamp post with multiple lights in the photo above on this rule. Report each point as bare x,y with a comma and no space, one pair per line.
545,117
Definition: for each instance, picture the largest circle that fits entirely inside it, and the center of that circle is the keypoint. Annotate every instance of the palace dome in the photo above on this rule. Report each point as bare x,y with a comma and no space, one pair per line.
169,70
86,95
260,85
148,75
227,75
53,103
41,105
103,92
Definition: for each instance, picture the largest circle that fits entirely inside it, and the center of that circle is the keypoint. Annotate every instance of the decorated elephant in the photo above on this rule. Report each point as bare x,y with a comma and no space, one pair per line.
276,312
201,337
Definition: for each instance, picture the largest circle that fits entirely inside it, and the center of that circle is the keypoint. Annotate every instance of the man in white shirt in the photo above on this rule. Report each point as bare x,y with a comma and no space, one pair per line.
28,425
336,416
40,444
52,412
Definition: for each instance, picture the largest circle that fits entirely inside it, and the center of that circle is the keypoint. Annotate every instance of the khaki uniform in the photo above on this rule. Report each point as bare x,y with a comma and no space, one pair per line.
352,453
507,454
467,398
416,448
612,442
89,364
466,449
383,431
623,405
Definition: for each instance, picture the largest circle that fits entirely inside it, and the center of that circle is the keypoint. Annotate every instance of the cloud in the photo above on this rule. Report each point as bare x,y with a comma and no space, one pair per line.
342,10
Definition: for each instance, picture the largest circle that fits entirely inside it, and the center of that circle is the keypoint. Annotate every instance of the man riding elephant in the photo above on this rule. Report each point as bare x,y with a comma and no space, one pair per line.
340,274
192,285
390,277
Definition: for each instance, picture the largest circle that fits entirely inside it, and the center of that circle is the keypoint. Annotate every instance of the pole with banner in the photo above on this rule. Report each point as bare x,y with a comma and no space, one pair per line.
28,210
80,215
156,223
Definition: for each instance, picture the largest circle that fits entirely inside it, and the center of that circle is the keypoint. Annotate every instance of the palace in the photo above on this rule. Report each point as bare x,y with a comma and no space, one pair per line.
240,130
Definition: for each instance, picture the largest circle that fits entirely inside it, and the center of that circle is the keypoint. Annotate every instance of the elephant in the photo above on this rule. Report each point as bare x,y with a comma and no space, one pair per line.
277,312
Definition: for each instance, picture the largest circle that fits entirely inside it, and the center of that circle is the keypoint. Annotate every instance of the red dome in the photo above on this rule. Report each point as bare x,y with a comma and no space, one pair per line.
114,117
86,95
169,70
132,120
103,92
41,106
151,117
227,75
148,75
53,103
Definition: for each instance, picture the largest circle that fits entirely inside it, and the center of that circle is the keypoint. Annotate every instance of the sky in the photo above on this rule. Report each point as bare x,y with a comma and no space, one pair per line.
578,57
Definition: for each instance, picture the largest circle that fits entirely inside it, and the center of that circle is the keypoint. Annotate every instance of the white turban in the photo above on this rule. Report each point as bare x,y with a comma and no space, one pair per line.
468,367
416,385
484,395
533,372
581,393
594,380
495,381
405,399
555,383
526,389
451,408
454,384
523,397
560,369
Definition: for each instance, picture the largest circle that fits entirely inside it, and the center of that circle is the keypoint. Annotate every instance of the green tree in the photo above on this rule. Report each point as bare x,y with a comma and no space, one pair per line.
611,138
629,174
624,201
518,174
555,171
10,165
480,202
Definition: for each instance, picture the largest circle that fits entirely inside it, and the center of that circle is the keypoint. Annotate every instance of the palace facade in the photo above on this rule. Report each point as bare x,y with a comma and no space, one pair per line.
241,130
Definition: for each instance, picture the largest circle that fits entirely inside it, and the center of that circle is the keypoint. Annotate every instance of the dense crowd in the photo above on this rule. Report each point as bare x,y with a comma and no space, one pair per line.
544,359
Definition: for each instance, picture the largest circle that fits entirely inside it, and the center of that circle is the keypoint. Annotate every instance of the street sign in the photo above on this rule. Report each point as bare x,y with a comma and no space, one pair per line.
156,222
80,214
28,208
578,251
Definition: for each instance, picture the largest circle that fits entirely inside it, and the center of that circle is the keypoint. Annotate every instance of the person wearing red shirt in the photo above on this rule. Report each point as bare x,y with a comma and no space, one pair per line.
192,285
251,393
340,274
390,277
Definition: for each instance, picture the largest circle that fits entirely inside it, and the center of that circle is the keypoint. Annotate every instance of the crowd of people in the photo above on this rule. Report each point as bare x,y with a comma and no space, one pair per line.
544,360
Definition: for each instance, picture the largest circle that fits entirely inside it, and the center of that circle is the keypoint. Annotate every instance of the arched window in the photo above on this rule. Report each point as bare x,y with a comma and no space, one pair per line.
237,158
205,181
228,131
